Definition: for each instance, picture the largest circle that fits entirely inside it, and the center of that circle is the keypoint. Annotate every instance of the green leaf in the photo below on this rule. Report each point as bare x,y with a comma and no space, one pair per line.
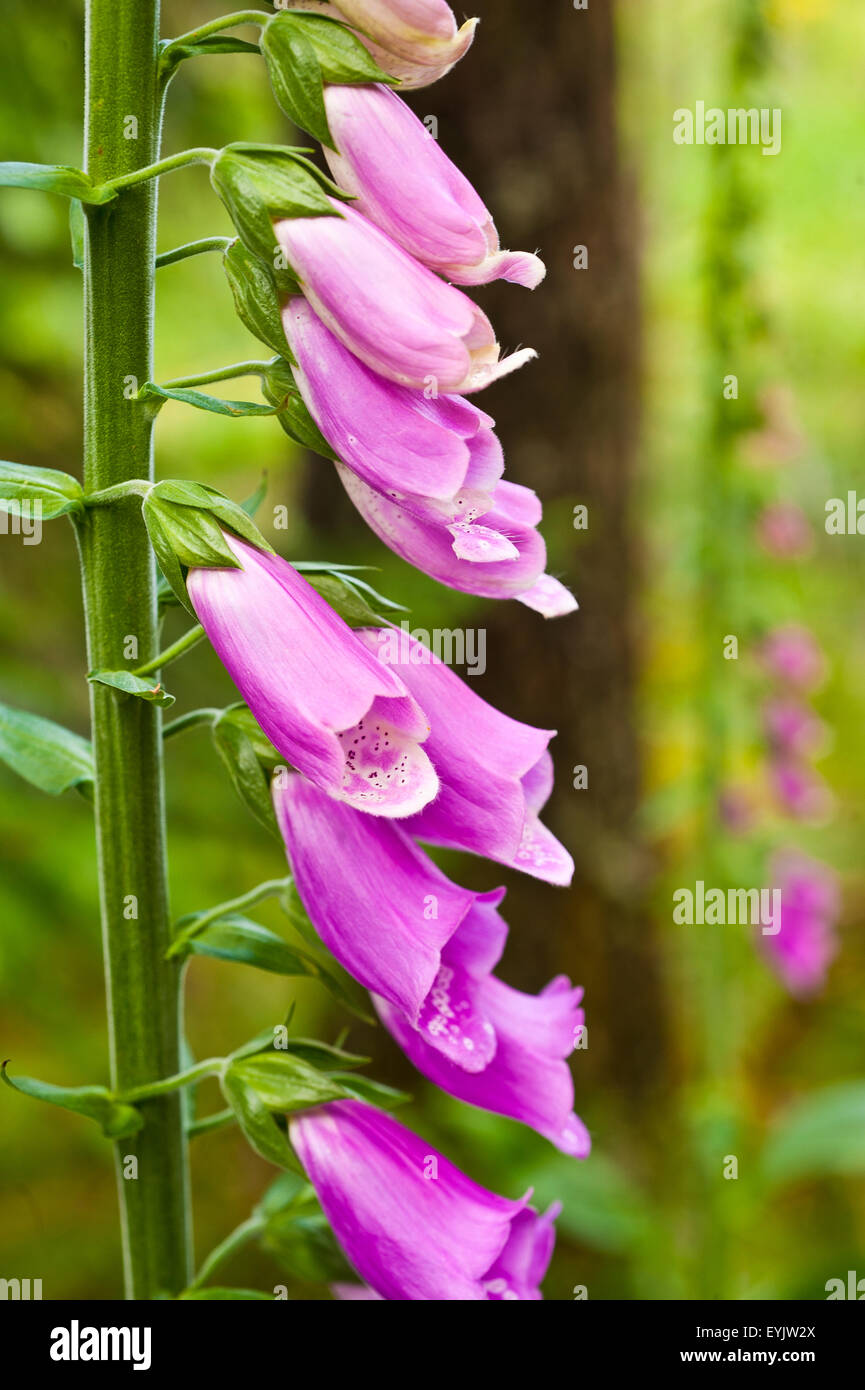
818,1135
133,685
241,716
236,938
306,1247
239,755
281,388
256,301
342,57
173,53
224,1295
44,753
56,493
324,1055
116,1119
258,183
152,391
374,1092
55,178
258,1125
296,75
286,1083
252,503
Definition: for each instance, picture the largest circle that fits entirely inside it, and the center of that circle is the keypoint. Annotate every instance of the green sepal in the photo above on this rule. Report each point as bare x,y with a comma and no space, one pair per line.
296,76
238,751
152,391
133,685
258,1125
238,939
341,55
256,299
57,493
44,753
116,1119
280,387
184,521
55,178
352,598
173,53
286,1083
261,183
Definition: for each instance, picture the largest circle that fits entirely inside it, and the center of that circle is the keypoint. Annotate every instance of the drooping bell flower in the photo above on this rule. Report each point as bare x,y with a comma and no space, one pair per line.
388,309
495,774
438,457
403,181
414,1227
516,1275
527,1076
414,40
784,531
323,702
496,552
379,904
802,950
792,655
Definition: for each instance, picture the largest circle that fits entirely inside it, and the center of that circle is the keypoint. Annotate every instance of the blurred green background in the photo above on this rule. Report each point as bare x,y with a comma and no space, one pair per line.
701,263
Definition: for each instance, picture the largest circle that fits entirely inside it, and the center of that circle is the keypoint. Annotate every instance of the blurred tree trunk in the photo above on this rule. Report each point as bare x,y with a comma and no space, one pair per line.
530,117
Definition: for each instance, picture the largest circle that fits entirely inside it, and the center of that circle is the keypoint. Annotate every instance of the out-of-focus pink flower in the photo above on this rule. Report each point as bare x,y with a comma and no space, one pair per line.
802,792
791,654
389,310
793,728
403,181
802,951
785,532
736,810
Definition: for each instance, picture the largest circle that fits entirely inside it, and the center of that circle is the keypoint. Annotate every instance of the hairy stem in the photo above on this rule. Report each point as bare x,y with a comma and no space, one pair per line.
143,989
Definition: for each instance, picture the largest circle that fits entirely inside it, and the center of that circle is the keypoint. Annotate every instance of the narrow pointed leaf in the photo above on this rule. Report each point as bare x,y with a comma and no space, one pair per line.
133,685
54,178
116,1119
44,753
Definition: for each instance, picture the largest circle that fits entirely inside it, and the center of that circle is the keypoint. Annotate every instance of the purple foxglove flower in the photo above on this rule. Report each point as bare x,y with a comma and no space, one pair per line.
791,654
526,1077
414,1227
437,457
313,686
785,531
516,1274
804,948
801,791
496,552
414,40
495,773
383,908
388,309
793,728
404,182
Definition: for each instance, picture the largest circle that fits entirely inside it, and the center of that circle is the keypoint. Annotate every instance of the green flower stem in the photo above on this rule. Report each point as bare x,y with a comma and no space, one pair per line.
216,26
218,1120
193,248
162,166
270,889
223,1252
120,601
234,369
200,1072
183,644
193,720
